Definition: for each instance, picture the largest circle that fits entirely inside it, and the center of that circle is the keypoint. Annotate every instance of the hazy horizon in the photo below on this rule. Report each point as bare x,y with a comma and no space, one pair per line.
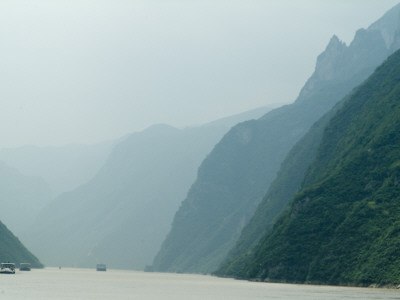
89,71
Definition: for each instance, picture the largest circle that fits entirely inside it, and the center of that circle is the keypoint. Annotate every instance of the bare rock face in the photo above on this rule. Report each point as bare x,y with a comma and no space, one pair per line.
328,62
367,50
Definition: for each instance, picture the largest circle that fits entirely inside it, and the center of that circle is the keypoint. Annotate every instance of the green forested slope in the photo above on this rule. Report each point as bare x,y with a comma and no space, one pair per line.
290,176
280,192
12,250
344,227
234,178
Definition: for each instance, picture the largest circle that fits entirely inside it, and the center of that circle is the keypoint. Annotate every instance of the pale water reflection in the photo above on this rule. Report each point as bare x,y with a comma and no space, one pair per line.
53,283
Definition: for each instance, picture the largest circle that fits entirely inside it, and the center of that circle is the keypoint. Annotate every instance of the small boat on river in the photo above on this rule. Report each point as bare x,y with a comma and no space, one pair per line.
24,266
7,268
101,267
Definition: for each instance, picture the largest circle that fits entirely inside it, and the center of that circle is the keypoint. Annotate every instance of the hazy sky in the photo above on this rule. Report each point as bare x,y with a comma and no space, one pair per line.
82,71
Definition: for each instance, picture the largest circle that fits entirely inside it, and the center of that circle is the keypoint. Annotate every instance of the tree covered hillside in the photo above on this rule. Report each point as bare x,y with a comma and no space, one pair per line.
343,227
280,192
235,177
12,250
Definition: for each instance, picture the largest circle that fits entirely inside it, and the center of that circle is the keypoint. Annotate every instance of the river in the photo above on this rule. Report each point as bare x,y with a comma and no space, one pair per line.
65,283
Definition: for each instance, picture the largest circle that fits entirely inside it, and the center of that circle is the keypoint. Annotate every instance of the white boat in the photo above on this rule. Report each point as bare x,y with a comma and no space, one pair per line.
7,268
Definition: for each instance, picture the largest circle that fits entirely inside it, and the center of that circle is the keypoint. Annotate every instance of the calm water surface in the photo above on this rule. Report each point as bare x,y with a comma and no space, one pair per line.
116,284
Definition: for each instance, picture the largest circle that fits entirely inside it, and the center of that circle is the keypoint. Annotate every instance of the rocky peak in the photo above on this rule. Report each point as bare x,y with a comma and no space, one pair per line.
327,66
327,62
367,50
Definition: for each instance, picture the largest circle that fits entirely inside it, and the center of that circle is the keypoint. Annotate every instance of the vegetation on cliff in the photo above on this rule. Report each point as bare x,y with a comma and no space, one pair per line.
343,227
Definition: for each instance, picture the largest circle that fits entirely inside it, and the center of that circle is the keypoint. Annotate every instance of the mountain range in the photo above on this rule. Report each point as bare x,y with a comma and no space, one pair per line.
304,193
63,168
234,179
21,198
123,213
342,225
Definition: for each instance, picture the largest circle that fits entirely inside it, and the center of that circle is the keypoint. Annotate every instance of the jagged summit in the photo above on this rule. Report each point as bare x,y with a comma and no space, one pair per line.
235,176
367,50
327,62
358,58
342,226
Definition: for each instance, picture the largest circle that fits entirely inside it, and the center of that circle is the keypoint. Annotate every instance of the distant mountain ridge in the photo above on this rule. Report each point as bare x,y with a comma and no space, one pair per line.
234,178
295,165
64,167
121,216
21,198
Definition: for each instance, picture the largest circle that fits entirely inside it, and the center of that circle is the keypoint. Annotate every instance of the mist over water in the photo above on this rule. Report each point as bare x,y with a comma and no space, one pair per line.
54,283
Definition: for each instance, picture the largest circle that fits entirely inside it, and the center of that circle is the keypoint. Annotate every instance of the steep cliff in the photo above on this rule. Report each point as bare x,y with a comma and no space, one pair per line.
338,60
234,178
342,226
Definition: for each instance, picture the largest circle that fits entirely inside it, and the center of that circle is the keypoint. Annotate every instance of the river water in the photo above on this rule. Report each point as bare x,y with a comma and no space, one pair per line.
76,284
